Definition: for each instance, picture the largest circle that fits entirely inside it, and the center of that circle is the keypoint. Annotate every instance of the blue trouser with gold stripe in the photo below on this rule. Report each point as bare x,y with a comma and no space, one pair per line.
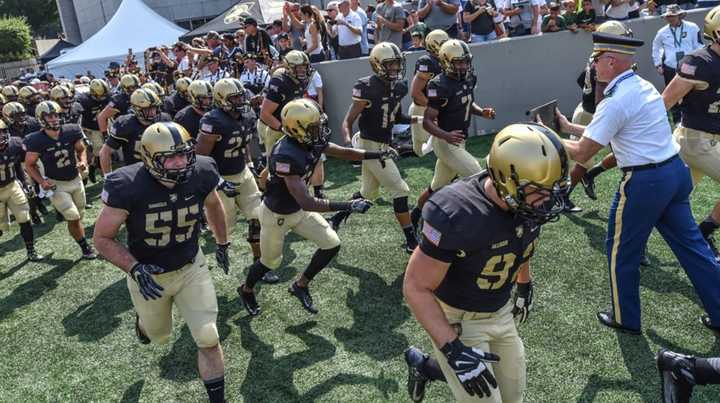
657,197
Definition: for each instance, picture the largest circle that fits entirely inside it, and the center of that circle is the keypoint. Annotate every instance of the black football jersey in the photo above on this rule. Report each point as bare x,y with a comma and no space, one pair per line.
188,118
120,101
288,157
428,64
90,109
163,224
11,159
453,100
174,103
282,89
126,132
73,115
30,125
484,245
701,107
58,156
229,150
378,118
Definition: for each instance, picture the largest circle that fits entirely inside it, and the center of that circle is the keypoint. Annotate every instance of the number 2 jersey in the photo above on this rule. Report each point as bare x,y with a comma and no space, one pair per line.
383,109
229,149
701,106
484,245
57,155
453,100
163,225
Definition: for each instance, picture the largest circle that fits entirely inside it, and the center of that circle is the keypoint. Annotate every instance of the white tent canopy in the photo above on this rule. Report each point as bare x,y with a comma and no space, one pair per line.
134,25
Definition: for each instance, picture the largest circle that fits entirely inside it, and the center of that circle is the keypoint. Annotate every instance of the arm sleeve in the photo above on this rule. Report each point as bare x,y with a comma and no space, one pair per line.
437,240
273,91
282,165
436,95
113,194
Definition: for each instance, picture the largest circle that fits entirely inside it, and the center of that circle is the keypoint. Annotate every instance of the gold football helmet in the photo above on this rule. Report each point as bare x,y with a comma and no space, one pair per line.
161,141
387,61
129,83
711,30
145,104
62,96
200,93
456,59
28,95
297,65
14,112
181,86
4,135
434,40
230,95
614,28
526,158
46,108
156,88
303,120
3,100
99,89
10,92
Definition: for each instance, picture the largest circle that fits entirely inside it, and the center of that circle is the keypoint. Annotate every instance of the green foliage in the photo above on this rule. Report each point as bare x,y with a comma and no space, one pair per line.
42,15
15,39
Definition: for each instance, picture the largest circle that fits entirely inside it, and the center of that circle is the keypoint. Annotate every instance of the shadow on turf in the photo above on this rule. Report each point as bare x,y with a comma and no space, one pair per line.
132,394
98,318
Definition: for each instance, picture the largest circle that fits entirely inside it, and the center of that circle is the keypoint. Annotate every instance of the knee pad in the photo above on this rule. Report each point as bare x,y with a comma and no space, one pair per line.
400,205
206,336
253,230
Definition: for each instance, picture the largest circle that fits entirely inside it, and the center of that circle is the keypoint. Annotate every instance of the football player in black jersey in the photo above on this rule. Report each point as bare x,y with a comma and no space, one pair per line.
71,109
119,101
163,260
127,130
29,97
200,93
426,67
179,98
10,92
697,84
224,136
376,102
17,120
287,205
12,196
62,151
447,118
91,103
477,239
158,90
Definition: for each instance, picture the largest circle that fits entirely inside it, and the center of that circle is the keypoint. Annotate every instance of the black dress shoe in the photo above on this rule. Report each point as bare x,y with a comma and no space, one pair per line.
303,294
270,278
607,319
249,301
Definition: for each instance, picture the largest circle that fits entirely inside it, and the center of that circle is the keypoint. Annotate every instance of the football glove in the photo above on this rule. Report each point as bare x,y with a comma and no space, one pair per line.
523,302
228,188
470,367
389,154
143,276
360,206
222,257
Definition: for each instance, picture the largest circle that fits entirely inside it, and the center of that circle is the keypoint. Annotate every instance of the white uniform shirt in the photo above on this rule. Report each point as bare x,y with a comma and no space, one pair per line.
212,78
315,83
672,42
256,79
633,119
345,36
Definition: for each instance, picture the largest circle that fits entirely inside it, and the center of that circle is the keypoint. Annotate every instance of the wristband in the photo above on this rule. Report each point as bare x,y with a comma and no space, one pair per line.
372,155
339,206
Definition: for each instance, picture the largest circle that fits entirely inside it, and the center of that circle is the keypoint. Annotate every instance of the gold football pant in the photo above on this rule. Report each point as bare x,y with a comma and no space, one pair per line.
374,174
191,289
700,151
418,132
496,333
274,227
96,140
69,198
581,117
247,200
268,136
451,161
13,198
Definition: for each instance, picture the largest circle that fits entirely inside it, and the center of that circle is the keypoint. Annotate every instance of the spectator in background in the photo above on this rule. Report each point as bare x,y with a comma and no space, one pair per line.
292,24
240,41
274,30
212,40
570,15
618,10
314,26
283,43
649,9
253,77
418,42
634,9
520,16
257,40
331,39
355,6
440,14
480,14
182,61
389,23
586,17
554,22
417,25
348,31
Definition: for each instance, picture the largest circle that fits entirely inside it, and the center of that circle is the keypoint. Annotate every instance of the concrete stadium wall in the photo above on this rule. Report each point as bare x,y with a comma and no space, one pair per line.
513,74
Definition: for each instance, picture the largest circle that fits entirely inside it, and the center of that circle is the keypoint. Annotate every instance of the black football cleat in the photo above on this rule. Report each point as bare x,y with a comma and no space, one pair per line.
588,184
37,219
270,278
142,338
303,294
89,253
607,319
416,381
249,301
570,207
705,320
33,256
41,208
676,376
410,245
339,218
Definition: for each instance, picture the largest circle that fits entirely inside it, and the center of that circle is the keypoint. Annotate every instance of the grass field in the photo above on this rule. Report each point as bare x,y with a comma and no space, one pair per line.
66,327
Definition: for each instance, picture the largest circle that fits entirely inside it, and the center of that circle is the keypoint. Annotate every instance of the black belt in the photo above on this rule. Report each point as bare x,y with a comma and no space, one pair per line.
650,166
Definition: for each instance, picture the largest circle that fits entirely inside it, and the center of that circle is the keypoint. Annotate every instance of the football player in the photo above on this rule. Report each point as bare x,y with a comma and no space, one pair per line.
10,92
376,102
62,151
71,109
12,196
159,200
447,118
91,103
200,93
287,205
127,130
17,120
478,237
29,97
224,135
179,98
158,90
119,102
697,84
426,67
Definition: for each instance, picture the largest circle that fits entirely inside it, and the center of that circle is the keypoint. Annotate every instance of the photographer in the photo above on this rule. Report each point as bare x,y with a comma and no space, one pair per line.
159,66
480,14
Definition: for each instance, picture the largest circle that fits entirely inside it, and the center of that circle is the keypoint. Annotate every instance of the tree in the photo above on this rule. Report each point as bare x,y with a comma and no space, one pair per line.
42,15
15,39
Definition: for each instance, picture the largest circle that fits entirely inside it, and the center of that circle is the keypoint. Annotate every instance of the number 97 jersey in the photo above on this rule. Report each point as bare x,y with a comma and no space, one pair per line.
162,223
383,98
484,245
